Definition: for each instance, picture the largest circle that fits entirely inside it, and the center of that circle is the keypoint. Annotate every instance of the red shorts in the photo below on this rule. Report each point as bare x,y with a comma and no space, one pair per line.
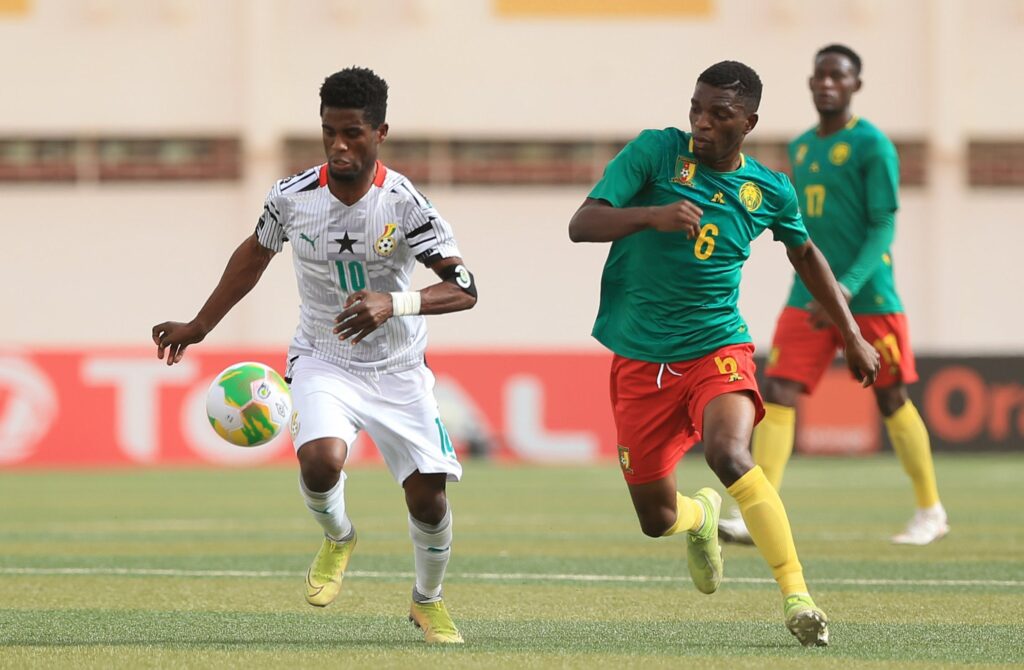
802,354
659,408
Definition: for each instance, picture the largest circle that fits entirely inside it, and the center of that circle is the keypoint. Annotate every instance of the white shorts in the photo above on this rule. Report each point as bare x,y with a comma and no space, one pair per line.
397,410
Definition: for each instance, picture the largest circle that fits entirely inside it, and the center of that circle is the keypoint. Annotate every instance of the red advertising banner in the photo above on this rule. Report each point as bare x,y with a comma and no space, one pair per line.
840,418
124,407
972,404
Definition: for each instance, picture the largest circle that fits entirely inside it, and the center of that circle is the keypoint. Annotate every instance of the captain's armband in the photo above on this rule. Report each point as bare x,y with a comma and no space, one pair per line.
460,276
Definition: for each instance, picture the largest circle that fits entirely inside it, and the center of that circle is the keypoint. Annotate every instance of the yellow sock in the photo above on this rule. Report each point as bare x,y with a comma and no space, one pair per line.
910,440
773,441
768,524
689,515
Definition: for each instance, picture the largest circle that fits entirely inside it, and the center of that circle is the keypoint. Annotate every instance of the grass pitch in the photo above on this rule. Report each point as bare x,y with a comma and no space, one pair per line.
204,568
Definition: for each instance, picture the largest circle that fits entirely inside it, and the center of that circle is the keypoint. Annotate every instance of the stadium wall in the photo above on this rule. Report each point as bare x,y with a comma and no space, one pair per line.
465,68
118,258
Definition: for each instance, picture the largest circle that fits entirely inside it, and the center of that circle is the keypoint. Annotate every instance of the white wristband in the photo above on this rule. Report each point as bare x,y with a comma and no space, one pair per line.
405,303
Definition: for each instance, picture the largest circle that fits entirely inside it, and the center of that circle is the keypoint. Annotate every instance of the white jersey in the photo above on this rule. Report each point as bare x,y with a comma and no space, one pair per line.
340,249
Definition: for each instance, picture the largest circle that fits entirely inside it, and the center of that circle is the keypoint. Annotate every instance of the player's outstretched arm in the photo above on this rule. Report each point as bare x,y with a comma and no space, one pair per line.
597,221
366,311
817,276
243,271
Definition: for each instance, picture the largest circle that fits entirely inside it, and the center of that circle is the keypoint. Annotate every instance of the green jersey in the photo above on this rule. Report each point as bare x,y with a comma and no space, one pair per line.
664,297
848,188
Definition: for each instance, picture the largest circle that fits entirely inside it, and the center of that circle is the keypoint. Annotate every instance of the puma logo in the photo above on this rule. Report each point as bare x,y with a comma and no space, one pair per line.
312,242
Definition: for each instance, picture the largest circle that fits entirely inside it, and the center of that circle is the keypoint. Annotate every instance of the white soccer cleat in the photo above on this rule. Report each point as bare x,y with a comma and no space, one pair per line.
733,528
926,526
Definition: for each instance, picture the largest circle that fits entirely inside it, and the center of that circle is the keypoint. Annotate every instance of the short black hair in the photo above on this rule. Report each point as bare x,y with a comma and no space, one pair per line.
842,50
356,88
735,76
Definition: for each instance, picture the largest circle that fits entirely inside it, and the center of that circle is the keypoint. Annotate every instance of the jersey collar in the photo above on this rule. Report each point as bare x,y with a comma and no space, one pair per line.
743,157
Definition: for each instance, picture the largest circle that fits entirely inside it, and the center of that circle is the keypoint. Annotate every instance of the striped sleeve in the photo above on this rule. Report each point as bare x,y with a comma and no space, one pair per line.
269,229
428,235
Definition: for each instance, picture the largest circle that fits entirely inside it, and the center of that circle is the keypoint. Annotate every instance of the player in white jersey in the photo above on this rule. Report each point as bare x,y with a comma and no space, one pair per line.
356,360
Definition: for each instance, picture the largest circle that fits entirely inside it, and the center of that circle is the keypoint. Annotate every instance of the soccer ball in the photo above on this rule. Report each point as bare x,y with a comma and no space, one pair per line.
248,404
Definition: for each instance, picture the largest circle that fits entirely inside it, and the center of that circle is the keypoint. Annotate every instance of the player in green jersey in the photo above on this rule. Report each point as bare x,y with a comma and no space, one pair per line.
681,209
846,174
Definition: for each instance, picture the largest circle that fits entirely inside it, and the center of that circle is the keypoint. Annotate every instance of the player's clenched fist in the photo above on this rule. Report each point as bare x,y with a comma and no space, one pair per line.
680,216
863,360
364,312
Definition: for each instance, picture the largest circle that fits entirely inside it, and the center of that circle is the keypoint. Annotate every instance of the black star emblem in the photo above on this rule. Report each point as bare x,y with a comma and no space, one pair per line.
347,243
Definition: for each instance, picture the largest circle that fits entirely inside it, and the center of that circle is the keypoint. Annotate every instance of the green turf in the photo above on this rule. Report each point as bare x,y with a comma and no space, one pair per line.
549,569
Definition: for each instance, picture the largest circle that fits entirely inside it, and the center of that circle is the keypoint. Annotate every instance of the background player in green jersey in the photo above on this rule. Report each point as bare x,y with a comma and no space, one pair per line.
680,210
846,174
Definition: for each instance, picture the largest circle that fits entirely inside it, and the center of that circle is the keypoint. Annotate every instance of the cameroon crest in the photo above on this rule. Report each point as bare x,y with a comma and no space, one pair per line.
624,460
385,244
686,170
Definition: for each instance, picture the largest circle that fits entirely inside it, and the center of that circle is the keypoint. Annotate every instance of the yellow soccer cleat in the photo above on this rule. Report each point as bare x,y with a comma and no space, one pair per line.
436,623
703,552
323,579
805,620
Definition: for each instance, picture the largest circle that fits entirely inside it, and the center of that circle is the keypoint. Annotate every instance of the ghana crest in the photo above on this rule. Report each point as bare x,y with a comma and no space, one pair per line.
385,244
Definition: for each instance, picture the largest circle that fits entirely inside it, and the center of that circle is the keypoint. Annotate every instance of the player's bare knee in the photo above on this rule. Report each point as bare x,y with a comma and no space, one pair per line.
319,480
429,510
781,391
425,497
728,457
891,398
321,462
427,504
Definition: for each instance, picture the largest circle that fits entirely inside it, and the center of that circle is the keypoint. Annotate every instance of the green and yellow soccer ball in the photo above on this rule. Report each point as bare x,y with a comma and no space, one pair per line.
248,404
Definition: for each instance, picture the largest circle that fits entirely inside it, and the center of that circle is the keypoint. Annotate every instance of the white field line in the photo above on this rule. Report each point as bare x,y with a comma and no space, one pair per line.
487,576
